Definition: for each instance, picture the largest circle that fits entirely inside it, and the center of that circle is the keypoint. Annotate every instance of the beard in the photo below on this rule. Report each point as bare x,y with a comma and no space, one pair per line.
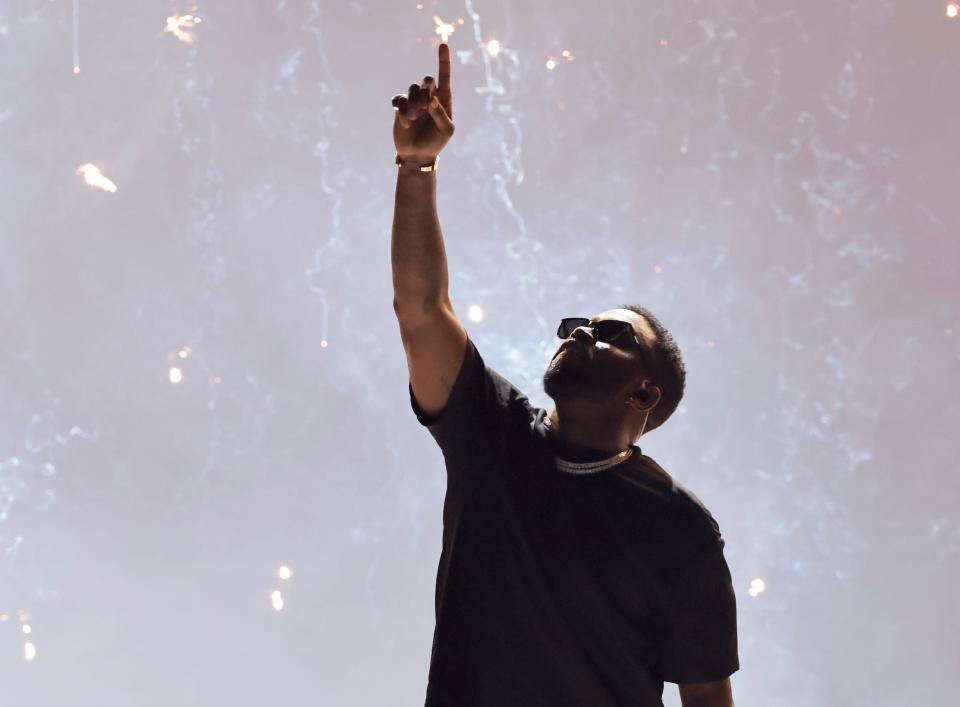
571,376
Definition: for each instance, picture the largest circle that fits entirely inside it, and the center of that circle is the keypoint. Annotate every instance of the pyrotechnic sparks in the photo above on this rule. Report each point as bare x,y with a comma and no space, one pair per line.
444,29
475,313
953,10
757,586
92,176
180,26
276,598
284,573
175,375
493,47
29,651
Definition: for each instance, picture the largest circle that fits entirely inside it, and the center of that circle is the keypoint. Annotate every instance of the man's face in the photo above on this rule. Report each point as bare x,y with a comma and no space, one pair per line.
586,369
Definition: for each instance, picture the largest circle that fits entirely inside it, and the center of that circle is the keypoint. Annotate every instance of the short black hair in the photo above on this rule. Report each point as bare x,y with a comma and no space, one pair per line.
667,368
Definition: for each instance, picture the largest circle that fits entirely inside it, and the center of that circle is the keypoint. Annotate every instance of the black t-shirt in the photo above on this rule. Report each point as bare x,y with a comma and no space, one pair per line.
560,589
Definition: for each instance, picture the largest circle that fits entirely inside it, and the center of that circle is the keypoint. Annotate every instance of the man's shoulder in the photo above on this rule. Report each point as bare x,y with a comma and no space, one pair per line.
686,512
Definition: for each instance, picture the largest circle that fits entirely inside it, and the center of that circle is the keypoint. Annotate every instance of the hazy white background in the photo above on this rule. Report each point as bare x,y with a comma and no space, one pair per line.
776,180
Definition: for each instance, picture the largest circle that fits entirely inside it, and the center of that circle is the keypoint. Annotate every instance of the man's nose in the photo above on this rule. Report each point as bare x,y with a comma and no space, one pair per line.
583,335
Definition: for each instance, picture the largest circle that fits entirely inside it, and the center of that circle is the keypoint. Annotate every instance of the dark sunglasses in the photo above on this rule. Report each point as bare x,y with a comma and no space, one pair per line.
608,330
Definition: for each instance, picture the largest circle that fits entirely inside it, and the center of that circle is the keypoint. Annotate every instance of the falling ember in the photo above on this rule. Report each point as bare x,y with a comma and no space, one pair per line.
180,25
444,29
29,651
276,598
76,70
284,573
551,63
664,42
184,352
176,375
953,10
493,47
475,313
567,54
92,176
23,615
757,586
657,268
26,629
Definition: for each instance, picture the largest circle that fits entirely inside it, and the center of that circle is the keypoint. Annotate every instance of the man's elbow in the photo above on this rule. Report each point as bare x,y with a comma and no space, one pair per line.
707,694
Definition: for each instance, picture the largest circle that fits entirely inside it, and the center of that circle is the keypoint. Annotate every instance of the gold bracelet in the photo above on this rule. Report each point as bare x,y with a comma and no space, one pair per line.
432,167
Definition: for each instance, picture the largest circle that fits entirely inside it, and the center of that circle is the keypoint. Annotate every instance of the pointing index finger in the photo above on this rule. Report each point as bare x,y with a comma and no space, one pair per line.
443,79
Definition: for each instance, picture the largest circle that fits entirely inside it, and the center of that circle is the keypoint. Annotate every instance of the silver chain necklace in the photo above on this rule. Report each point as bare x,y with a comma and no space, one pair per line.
589,467
592,467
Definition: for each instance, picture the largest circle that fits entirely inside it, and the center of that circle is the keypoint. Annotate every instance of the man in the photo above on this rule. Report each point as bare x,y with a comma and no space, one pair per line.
574,570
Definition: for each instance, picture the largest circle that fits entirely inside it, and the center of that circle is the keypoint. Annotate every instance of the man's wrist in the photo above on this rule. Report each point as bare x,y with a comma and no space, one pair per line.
415,164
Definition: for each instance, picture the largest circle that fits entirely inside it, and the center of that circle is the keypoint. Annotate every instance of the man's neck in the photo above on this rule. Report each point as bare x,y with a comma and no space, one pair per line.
587,438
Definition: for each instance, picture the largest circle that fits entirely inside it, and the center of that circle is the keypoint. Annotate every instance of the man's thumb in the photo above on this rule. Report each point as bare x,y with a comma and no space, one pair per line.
440,116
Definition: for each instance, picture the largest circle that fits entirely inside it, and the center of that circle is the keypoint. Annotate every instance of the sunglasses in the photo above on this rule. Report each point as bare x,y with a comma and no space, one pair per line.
608,330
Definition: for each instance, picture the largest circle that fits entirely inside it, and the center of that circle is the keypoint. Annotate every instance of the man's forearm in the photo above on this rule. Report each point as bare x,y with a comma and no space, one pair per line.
417,253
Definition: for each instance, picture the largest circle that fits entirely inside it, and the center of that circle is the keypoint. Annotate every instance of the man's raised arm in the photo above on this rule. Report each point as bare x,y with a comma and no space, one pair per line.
433,340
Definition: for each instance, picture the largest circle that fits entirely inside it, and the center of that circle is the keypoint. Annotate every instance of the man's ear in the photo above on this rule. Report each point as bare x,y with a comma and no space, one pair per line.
648,396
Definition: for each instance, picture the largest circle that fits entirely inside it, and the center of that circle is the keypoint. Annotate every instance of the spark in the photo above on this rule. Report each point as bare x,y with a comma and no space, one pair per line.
26,629
757,586
551,63
29,651
76,37
444,29
953,10
184,352
276,598
176,375
94,177
493,47
475,314
180,26
284,573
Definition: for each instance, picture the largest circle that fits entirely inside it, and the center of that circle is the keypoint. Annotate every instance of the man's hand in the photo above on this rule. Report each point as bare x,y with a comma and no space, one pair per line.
423,120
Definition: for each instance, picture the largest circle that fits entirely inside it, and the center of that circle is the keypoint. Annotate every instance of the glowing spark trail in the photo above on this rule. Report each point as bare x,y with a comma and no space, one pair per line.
444,29
76,37
180,25
92,176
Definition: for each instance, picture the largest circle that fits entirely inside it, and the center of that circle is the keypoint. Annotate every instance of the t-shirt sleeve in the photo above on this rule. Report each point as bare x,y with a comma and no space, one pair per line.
700,639
481,404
